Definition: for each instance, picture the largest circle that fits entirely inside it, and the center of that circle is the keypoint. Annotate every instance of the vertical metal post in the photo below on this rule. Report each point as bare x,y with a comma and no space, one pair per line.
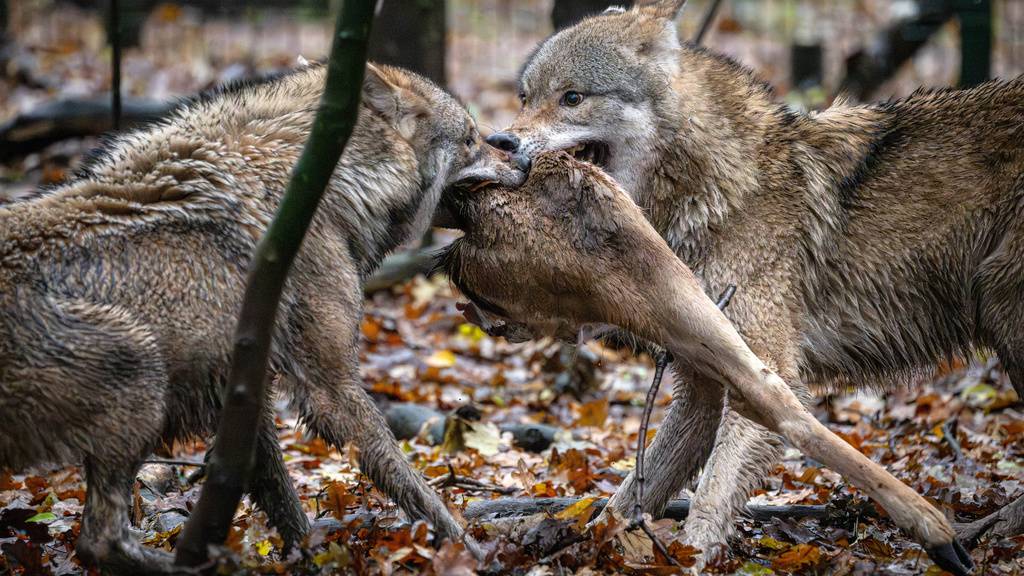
114,35
975,41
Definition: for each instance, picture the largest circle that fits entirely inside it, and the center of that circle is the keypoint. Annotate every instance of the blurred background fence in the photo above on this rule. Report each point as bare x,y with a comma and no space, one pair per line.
810,50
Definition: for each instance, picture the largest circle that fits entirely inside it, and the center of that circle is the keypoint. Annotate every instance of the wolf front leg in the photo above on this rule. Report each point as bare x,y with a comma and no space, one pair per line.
745,453
272,488
681,446
336,408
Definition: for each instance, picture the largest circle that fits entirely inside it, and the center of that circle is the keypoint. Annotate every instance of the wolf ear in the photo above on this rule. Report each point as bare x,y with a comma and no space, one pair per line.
389,92
667,9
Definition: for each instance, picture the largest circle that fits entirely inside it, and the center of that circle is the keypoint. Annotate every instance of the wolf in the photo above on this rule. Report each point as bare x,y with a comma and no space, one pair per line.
570,249
119,290
867,241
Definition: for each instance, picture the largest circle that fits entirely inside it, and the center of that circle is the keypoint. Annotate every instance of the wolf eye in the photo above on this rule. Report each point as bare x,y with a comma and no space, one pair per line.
572,98
469,142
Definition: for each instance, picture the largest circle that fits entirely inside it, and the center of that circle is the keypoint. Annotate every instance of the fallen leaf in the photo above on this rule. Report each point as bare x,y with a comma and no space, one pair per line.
593,413
485,438
441,359
798,557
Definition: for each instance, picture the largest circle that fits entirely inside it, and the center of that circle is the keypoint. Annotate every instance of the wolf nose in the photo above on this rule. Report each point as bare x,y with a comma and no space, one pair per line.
504,141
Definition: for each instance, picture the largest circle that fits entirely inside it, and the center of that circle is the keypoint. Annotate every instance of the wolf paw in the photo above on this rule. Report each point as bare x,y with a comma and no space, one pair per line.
712,549
128,557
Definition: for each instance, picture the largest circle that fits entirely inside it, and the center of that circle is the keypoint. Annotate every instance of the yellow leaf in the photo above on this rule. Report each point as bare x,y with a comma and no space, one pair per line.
334,554
471,332
593,413
979,395
771,543
263,547
441,359
578,512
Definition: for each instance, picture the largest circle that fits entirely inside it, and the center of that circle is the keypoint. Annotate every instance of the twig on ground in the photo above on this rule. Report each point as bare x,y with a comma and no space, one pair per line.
675,510
949,434
551,557
638,510
167,462
195,476
454,480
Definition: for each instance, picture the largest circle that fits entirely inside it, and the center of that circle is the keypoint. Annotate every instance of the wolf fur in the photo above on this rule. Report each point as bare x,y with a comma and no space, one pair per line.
867,241
119,290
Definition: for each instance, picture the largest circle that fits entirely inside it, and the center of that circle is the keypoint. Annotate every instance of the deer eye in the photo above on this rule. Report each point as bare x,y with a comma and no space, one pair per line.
572,98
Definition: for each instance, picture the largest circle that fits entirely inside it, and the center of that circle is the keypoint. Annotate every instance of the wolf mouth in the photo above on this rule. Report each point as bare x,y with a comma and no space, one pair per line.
597,153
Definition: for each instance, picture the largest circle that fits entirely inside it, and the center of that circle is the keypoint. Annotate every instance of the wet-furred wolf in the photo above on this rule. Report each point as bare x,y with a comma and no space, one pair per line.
119,290
867,242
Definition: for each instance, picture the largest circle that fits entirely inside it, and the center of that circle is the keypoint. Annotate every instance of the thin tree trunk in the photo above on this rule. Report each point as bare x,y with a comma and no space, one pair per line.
231,463
412,35
114,35
975,41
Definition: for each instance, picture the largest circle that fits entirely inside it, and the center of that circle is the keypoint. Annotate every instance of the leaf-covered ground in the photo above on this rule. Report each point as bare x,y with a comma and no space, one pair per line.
418,352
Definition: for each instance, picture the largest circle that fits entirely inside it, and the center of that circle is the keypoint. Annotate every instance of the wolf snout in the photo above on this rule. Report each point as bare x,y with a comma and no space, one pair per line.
506,141
510,144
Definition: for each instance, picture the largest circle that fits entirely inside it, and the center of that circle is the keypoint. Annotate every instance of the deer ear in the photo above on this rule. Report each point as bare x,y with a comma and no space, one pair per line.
667,9
388,92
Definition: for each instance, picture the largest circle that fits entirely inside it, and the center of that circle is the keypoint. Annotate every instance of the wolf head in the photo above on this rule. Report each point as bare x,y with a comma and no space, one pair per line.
602,90
443,136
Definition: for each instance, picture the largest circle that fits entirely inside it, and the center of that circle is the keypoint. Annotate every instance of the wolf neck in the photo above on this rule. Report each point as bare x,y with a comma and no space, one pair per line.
715,120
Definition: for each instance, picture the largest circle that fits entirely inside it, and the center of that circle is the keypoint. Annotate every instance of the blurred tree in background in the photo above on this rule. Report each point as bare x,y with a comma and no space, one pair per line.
412,34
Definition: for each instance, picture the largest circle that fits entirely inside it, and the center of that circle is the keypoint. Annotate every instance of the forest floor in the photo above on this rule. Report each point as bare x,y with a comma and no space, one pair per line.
418,351
956,436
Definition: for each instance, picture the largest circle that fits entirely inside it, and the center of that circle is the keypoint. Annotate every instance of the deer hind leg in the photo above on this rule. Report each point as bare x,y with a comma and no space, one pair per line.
745,453
763,396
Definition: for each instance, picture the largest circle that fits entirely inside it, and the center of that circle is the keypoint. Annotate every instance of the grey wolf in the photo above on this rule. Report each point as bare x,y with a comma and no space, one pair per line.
867,241
119,290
